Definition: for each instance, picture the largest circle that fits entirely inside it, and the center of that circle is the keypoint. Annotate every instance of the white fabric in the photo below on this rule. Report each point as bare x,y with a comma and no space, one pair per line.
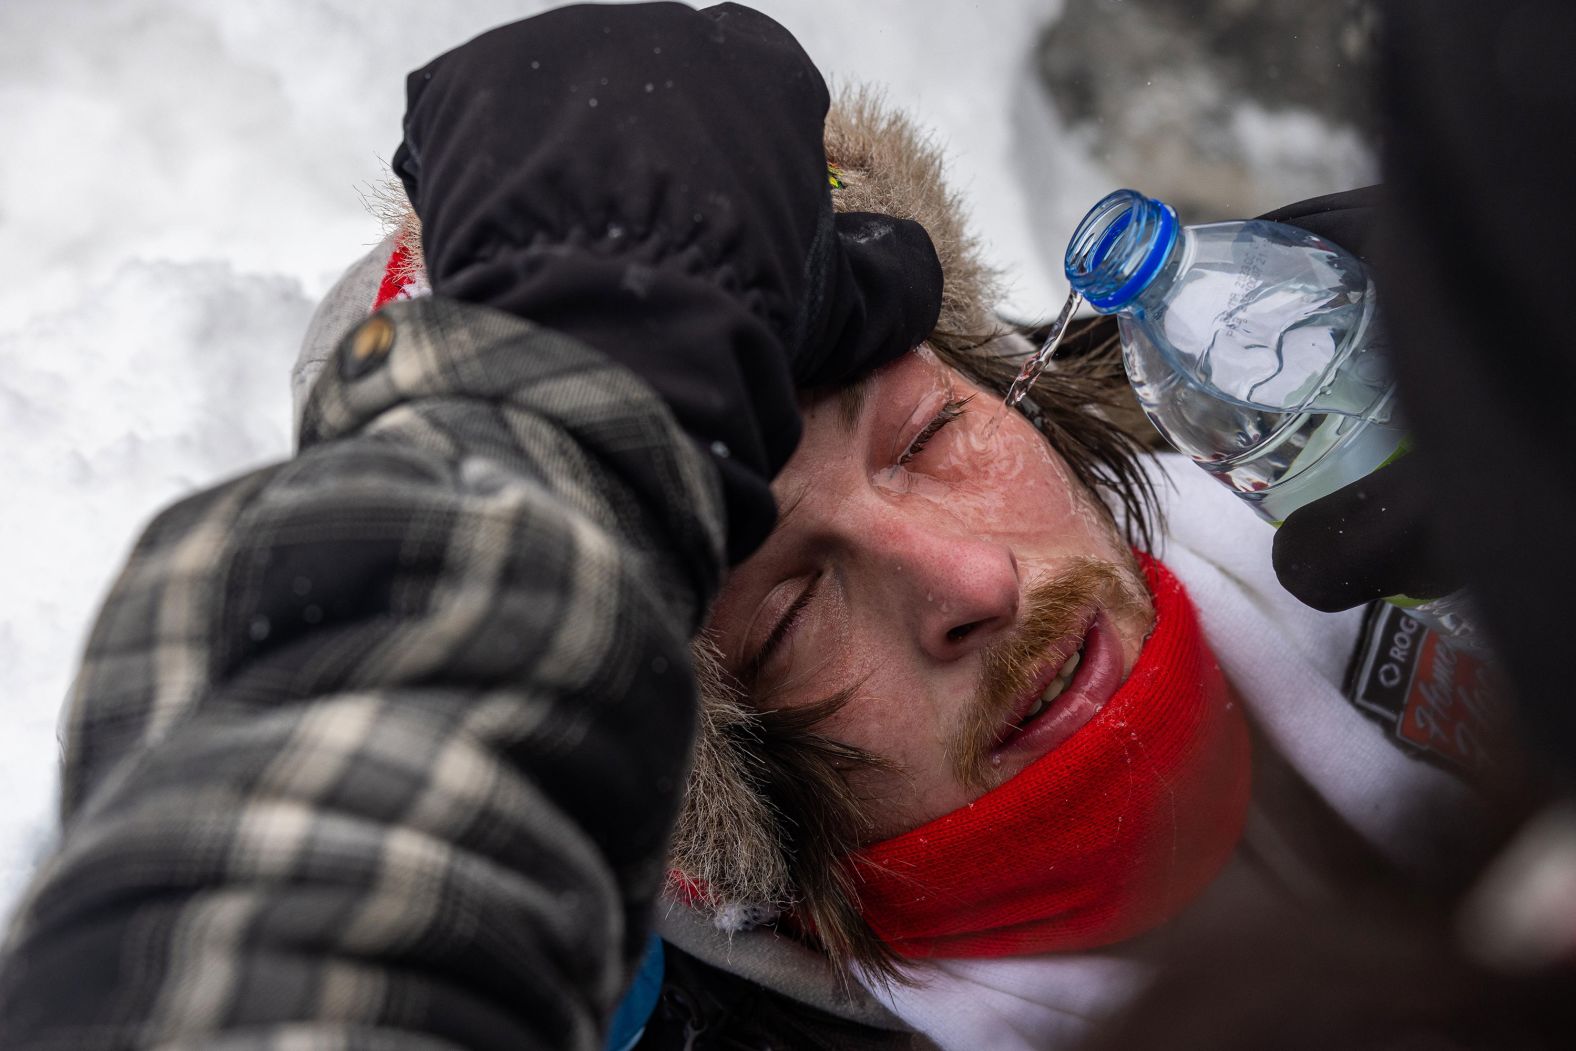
1287,663
1027,1002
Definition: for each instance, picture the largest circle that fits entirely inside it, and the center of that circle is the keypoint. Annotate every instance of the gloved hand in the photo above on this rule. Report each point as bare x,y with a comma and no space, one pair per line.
652,180
1371,539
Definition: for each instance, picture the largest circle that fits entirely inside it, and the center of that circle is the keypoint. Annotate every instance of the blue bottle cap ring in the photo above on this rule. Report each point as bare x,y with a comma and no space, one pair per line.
1084,265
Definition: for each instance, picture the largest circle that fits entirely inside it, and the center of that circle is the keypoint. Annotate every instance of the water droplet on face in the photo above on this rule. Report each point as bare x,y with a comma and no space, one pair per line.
720,449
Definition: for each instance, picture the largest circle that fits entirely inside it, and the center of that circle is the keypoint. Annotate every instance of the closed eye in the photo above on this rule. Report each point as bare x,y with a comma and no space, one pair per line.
779,632
947,413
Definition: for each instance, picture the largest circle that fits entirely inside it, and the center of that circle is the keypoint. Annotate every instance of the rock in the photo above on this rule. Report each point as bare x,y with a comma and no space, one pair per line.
1223,108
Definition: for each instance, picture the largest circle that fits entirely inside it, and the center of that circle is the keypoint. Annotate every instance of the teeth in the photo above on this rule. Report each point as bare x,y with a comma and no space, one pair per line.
1058,684
1055,689
1071,666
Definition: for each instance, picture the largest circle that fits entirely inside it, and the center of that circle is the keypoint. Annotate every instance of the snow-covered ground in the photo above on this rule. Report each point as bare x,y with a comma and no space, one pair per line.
180,180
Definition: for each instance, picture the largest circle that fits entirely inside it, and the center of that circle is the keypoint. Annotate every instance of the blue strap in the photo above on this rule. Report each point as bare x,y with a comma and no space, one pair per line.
629,1021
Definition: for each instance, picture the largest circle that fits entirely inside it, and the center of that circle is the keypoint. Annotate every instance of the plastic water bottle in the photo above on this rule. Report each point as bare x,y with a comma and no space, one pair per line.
1253,348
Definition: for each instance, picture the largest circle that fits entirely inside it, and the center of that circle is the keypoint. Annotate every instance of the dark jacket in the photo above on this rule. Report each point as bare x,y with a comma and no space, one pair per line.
705,1008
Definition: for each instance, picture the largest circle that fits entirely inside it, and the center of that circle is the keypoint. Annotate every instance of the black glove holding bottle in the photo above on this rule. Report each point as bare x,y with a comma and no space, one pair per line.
1372,538
651,179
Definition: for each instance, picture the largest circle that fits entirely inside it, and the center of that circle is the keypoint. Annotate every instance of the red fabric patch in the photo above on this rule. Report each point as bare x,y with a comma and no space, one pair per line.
1107,836
395,278
1451,708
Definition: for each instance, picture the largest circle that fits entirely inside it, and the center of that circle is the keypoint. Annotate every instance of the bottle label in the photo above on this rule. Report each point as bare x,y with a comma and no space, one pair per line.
1439,702
1249,281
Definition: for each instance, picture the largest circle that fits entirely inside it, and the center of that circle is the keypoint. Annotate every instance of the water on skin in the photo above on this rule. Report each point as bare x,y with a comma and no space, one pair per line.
1009,467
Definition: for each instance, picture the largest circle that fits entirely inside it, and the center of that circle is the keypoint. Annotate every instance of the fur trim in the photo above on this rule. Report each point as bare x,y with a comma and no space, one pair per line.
729,845
390,206
889,165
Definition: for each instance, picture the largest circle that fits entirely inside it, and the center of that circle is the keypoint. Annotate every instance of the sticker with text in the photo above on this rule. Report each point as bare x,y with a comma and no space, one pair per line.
1439,701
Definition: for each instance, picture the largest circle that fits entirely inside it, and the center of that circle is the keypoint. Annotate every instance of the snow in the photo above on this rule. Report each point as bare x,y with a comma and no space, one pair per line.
181,180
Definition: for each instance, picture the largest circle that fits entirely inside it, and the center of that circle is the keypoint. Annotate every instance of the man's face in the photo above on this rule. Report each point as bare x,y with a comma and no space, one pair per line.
946,568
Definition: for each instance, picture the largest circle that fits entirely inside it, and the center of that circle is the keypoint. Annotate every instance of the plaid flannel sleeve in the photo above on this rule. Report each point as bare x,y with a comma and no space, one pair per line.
379,747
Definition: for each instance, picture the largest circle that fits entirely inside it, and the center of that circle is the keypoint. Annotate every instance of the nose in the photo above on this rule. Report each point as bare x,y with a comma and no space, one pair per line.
957,592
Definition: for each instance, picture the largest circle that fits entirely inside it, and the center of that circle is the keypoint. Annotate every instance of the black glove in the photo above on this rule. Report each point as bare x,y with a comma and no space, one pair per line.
652,180
1373,538
1368,540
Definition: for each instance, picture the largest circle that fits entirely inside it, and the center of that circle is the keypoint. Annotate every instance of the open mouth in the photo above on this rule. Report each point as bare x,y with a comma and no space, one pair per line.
1065,695
1055,689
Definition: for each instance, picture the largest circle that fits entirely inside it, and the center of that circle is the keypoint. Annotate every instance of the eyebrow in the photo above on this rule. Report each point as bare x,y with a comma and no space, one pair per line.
851,402
751,662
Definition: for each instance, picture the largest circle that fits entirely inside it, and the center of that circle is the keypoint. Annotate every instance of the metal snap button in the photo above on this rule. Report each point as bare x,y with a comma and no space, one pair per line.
366,347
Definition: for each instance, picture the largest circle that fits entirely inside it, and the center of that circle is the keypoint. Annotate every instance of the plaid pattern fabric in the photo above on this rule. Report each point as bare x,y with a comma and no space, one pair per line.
379,747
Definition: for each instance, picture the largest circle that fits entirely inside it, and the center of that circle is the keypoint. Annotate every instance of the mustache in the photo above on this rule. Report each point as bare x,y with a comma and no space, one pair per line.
1053,610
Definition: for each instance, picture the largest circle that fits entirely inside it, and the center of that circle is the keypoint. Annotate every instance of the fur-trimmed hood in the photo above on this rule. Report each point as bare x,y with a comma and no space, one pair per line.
733,851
